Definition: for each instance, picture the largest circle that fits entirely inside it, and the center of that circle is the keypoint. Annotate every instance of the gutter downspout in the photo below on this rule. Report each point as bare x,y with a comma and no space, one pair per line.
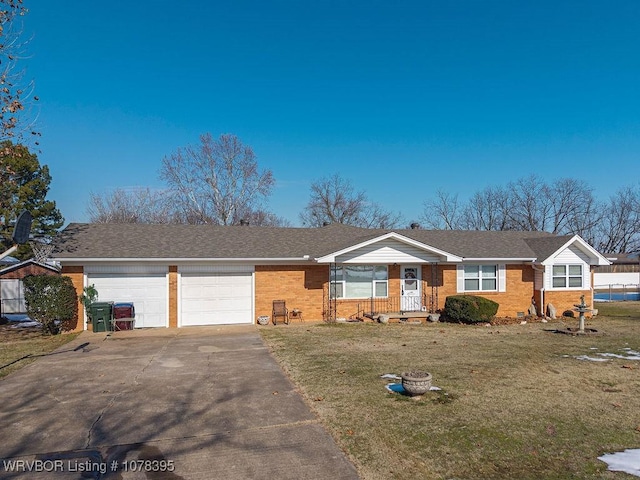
542,312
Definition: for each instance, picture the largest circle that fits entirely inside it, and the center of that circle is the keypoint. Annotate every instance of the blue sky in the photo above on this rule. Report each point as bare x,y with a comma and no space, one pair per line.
401,98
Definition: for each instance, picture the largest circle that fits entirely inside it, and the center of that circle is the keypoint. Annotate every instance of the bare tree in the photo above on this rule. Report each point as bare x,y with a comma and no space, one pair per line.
619,229
16,96
570,201
263,218
131,206
529,204
564,206
217,182
487,210
442,212
334,200
585,222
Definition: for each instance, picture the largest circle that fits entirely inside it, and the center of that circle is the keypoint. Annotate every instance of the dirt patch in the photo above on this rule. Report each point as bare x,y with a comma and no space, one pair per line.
9,333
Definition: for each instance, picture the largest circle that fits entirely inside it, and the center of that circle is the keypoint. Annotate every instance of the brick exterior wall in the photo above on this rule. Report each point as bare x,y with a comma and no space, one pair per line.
565,300
77,278
301,286
305,288
517,297
173,296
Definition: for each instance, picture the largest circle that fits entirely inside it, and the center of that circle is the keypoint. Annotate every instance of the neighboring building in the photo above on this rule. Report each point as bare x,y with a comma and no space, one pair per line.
623,271
8,260
11,288
181,275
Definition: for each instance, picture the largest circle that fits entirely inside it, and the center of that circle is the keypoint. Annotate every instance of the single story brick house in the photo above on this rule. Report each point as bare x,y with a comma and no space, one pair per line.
11,287
182,275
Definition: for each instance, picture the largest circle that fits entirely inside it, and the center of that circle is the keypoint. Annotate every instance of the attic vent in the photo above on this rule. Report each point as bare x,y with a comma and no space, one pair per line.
415,226
326,224
243,222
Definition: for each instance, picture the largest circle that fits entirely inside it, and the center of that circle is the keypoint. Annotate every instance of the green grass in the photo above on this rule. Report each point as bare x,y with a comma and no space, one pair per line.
515,403
21,346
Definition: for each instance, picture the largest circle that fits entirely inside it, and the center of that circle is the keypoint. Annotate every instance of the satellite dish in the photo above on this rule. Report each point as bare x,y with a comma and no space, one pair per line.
22,228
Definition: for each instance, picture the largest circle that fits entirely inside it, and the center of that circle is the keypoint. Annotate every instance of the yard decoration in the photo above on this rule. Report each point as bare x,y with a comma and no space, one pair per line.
416,383
581,308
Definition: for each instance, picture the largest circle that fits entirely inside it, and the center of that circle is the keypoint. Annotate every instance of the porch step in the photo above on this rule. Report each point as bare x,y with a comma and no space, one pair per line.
400,317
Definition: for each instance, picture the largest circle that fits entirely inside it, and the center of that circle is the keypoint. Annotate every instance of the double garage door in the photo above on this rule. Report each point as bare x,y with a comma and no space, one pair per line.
214,295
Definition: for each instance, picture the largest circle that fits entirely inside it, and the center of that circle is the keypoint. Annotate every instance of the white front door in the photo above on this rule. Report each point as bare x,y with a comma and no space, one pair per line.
410,300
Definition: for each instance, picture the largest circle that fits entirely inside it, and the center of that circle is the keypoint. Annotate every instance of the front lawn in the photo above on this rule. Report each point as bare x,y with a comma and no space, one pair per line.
21,346
517,401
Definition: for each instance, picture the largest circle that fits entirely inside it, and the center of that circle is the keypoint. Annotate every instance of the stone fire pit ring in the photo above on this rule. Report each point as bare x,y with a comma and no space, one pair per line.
416,382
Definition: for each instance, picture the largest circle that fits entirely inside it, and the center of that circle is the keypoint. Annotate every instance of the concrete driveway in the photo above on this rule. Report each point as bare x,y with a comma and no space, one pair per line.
192,403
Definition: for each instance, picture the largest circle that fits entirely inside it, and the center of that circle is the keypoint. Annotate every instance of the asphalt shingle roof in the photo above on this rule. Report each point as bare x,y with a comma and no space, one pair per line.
156,241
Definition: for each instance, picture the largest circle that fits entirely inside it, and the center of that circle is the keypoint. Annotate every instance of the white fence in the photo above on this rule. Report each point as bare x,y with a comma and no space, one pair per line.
611,278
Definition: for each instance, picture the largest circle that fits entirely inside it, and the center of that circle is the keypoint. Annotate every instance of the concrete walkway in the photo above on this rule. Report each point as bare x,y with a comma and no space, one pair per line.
191,403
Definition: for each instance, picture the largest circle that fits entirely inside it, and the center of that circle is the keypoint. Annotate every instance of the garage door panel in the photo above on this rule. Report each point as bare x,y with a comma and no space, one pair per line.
216,298
148,293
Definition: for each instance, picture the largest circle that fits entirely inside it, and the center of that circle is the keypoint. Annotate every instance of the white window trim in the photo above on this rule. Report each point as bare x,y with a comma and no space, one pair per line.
566,276
374,282
501,278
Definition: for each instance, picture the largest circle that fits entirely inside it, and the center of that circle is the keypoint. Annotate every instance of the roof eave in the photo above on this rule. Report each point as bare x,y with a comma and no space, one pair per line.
499,259
64,260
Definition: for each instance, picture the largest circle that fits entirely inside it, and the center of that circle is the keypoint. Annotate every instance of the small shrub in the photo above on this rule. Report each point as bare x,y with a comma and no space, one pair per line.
469,309
51,300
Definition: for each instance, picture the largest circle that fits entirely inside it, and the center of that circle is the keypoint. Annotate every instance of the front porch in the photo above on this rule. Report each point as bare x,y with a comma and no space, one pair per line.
393,307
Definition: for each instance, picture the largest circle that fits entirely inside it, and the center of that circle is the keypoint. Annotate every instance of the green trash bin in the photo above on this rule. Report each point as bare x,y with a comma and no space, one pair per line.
101,314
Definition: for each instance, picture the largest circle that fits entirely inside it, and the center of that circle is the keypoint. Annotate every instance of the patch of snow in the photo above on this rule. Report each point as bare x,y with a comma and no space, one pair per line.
393,376
17,317
435,389
26,324
591,359
630,355
624,357
627,461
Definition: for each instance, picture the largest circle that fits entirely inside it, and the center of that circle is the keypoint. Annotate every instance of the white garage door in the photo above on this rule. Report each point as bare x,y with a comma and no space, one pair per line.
147,291
216,298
